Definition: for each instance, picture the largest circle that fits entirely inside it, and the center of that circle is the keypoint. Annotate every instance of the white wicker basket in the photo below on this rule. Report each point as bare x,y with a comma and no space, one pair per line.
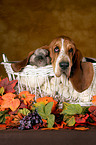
42,81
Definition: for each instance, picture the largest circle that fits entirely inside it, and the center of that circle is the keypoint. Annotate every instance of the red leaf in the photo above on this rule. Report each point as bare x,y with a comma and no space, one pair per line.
94,123
80,124
3,126
22,105
93,117
81,118
92,108
8,85
92,111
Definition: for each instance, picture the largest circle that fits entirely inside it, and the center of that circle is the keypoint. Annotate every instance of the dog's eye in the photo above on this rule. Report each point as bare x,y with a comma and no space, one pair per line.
70,50
56,49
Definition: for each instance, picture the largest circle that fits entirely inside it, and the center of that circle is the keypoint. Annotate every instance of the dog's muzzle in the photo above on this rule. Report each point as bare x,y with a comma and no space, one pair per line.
64,65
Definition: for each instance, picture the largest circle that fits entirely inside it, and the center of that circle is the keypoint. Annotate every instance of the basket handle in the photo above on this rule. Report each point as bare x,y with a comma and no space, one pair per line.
4,58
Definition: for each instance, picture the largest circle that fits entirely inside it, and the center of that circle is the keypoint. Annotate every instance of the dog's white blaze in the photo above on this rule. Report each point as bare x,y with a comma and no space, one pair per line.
62,52
62,57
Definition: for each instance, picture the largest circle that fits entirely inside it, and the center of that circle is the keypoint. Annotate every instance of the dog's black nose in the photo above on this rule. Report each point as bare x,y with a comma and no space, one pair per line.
64,65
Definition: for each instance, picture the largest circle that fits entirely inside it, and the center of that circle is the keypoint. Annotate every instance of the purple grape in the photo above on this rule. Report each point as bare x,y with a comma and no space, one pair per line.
32,119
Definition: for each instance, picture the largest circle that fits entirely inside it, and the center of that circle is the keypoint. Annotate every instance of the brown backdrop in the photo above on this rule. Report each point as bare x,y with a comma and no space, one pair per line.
28,24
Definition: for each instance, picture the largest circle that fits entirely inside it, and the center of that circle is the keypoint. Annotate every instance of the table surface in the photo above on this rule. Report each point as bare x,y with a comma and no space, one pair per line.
47,137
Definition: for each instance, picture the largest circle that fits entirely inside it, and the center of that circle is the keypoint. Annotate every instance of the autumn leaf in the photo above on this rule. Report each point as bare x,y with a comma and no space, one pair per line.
72,109
81,128
3,114
92,110
94,100
8,85
46,100
3,126
10,102
53,128
26,97
13,120
61,125
81,118
24,111
45,112
69,119
2,90
94,123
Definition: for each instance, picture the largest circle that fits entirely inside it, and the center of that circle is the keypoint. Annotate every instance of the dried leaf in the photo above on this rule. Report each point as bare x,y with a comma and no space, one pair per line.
81,118
41,111
13,120
46,100
94,100
92,110
48,108
93,117
8,85
60,125
51,120
72,109
24,111
94,123
26,97
2,90
10,102
81,128
53,128
3,126
45,121
71,121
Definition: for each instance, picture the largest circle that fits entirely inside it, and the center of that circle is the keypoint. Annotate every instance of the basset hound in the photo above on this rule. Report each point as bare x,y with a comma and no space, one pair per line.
68,60
38,57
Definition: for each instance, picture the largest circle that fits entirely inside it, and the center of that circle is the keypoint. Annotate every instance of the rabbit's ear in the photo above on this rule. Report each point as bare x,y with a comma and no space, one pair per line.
17,66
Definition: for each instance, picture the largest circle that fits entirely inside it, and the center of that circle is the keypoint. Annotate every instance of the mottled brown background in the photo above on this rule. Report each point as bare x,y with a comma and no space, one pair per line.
28,24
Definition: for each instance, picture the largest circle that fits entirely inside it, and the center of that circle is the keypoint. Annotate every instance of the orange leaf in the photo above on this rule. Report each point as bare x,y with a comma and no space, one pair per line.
1,101
62,124
53,128
8,96
14,104
47,100
94,100
10,102
13,120
23,93
81,128
26,97
45,121
20,116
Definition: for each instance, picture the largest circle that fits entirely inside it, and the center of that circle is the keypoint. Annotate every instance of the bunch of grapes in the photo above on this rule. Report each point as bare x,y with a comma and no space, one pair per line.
32,120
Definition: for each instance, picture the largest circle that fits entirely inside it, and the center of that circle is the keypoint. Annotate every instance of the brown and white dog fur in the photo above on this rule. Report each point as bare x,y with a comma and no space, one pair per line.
68,60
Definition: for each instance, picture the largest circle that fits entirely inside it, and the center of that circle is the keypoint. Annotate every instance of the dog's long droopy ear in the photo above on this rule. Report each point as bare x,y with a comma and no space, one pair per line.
77,58
17,66
82,73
